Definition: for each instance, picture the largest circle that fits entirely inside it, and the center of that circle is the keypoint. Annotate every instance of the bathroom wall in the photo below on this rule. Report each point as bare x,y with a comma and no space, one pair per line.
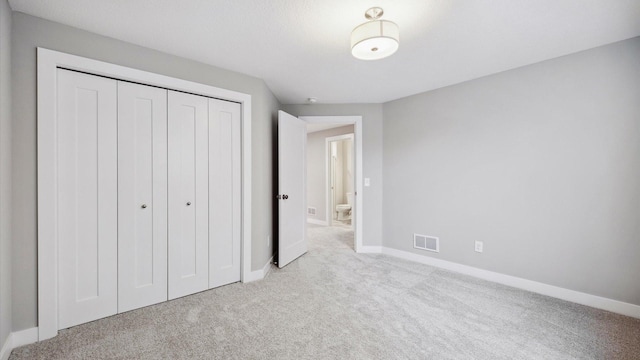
343,171
347,168
316,165
336,175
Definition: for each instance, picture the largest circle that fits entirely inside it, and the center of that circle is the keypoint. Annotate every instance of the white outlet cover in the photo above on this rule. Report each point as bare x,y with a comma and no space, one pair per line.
479,246
367,181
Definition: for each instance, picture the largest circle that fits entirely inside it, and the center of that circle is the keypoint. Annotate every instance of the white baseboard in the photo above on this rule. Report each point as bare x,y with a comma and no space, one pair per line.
524,284
267,268
6,348
317,222
25,337
253,276
259,274
370,249
17,339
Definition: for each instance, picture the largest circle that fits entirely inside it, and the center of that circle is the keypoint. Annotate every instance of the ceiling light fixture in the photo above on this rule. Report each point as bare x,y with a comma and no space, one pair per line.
375,39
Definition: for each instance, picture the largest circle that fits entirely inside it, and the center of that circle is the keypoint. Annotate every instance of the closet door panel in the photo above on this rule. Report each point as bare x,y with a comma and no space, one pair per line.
87,198
224,187
188,194
142,196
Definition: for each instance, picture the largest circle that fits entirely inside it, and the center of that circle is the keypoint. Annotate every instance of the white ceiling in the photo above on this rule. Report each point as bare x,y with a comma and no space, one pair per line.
301,47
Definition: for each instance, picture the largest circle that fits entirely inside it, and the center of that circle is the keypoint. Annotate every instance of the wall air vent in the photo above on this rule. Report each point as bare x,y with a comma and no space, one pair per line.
311,211
424,242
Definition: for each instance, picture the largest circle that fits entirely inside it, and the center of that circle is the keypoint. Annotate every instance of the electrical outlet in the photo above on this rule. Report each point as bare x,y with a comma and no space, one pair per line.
268,240
367,181
479,246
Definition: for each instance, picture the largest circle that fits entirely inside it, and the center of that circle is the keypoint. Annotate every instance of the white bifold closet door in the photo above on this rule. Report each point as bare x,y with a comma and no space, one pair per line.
189,194
224,192
149,195
87,157
142,195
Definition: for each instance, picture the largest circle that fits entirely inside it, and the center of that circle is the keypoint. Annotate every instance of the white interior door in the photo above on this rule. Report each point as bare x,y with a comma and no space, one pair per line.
224,192
188,196
142,195
87,198
292,141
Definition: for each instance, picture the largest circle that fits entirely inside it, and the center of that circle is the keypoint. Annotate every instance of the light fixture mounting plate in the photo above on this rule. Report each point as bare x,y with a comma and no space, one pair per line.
374,13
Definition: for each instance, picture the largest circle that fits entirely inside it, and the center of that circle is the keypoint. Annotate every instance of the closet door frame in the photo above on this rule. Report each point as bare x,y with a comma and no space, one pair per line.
48,63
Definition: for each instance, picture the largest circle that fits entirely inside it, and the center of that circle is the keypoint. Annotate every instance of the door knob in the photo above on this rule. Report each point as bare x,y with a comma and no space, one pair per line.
144,206
285,196
188,203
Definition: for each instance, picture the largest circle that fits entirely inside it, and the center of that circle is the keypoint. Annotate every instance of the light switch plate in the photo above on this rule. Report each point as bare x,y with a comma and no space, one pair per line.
367,182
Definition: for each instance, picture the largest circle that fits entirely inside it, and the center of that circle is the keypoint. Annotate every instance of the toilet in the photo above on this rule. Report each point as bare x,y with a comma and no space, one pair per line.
344,210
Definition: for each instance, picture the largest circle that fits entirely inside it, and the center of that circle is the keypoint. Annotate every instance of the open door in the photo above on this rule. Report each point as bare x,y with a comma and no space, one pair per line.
292,143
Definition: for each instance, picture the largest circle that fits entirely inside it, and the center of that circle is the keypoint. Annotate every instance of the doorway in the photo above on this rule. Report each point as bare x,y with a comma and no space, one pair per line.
323,211
339,179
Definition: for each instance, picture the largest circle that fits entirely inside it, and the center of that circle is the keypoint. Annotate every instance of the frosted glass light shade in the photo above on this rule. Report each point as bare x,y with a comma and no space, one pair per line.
375,39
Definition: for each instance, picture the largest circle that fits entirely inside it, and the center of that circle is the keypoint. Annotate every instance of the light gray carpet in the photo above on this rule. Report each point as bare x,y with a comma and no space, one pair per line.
335,304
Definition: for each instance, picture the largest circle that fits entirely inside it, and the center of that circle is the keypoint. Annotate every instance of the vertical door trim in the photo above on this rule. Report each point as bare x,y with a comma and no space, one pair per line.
358,197
48,63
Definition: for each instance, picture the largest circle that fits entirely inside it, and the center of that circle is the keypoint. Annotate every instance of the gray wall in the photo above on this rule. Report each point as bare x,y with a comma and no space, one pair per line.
5,171
316,166
30,32
371,162
541,163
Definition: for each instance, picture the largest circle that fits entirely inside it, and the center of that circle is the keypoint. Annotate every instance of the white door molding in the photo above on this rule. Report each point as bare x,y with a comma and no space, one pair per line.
48,63
358,197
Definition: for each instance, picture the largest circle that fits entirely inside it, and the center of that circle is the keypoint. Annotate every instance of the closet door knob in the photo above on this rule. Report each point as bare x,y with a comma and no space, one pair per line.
188,203
144,206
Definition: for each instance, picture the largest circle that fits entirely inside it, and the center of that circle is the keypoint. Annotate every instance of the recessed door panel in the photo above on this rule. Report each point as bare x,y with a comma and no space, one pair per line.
142,196
188,194
224,196
87,197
